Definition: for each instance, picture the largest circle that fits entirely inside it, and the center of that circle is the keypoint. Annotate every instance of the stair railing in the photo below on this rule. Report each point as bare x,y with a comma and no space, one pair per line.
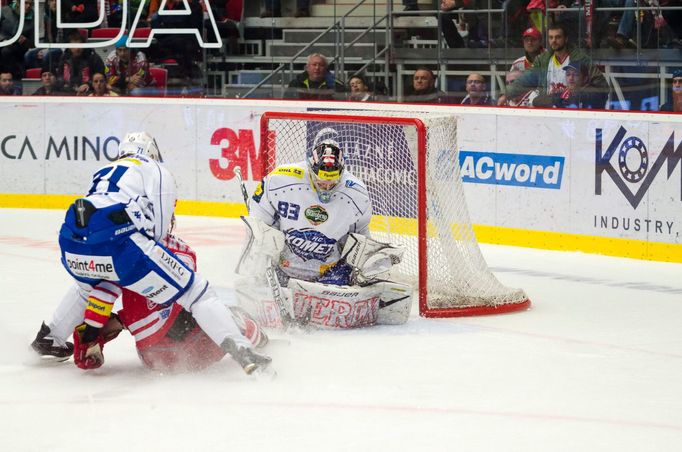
341,48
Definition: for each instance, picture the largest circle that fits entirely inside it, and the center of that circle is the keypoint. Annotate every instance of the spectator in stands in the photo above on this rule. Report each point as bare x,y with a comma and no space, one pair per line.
76,67
127,70
523,99
273,8
49,83
227,14
79,11
462,30
183,48
675,101
100,88
532,46
423,88
358,89
7,86
623,38
455,27
578,92
477,91
547,72
12,56
35,57
411,5
674,20
317,82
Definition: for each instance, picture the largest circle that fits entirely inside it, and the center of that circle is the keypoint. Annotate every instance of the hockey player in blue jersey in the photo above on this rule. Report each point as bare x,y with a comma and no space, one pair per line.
111,239
309,223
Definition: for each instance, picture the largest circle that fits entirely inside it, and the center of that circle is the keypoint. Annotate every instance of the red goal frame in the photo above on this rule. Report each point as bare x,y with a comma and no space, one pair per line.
424,309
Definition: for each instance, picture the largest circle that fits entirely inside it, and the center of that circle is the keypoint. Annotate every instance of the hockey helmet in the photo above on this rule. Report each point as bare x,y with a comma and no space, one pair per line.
139,143
325,161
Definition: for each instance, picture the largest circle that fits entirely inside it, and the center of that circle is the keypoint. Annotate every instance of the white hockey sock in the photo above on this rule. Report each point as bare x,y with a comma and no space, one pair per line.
212,316
68,314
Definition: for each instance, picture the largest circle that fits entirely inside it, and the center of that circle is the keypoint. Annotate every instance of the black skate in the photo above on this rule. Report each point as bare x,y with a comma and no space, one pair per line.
47,349
247,358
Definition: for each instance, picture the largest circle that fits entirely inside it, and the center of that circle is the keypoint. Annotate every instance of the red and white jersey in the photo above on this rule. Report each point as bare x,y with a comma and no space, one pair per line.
556,75
149,322
521,64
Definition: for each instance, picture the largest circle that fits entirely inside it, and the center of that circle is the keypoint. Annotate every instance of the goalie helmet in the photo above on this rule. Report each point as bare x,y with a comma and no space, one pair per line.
325,162
139,143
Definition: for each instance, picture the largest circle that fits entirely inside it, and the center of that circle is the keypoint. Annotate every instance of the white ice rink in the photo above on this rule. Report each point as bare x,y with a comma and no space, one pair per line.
595,365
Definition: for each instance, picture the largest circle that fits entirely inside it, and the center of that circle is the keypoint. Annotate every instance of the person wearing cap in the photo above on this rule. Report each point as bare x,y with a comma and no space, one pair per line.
547,73
674,103
532,46
578,92
48,80
127,70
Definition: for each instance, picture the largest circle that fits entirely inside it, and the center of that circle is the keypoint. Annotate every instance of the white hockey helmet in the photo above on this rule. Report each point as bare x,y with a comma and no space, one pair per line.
139,143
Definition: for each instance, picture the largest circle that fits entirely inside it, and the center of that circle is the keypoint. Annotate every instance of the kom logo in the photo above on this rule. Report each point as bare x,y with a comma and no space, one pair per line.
522,170
633,164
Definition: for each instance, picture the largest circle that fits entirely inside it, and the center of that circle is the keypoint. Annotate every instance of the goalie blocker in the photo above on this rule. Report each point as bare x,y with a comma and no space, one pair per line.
369,300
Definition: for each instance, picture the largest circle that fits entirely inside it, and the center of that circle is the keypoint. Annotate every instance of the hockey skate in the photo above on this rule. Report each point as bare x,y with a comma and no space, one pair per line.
46,347
247,358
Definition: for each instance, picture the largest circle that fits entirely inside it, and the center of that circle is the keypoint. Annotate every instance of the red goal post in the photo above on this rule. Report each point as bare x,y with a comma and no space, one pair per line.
409,163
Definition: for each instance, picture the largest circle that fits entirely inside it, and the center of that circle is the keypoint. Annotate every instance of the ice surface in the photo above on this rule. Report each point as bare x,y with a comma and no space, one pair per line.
595,365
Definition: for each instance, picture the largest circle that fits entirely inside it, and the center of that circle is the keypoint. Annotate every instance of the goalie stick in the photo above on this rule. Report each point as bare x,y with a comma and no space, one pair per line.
270,274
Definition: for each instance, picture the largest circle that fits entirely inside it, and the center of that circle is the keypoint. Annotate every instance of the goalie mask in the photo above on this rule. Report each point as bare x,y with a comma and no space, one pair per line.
139,143
325,162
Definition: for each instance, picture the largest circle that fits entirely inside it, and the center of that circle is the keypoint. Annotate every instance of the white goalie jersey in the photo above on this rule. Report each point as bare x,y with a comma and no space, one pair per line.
314,232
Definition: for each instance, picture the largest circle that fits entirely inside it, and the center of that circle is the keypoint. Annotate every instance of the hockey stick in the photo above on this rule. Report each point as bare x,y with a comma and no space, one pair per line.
270,274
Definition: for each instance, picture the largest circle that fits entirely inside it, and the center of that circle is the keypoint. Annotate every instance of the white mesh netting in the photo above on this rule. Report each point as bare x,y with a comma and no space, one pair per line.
383,149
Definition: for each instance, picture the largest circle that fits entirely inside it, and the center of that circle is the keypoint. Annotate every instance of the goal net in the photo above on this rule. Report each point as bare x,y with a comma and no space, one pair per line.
411,169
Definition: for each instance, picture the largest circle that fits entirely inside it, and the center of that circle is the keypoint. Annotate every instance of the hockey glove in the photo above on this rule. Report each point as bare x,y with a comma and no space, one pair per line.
88,342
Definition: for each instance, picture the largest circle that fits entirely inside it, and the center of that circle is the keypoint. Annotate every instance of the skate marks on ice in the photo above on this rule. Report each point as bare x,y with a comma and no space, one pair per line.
583,279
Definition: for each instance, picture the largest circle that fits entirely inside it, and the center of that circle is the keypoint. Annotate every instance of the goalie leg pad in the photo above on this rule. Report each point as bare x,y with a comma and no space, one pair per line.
396,303
334,307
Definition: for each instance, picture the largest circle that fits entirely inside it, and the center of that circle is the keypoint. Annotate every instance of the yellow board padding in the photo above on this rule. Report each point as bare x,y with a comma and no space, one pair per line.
636,249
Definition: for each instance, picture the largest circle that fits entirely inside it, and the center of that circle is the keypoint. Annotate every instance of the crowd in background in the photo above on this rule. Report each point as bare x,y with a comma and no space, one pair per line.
561,75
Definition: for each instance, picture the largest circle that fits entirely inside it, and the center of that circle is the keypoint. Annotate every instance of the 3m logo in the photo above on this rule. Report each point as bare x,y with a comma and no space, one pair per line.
633,164
538,171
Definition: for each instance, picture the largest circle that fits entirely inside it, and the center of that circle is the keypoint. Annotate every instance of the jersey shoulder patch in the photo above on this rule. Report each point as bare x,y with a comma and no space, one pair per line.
293,171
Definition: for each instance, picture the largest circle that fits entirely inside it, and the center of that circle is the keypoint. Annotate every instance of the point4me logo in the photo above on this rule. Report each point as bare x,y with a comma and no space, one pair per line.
539,171
632,163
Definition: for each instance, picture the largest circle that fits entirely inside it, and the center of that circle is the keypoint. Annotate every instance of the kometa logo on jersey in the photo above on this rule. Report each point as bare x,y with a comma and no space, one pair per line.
309,244
316,214
539,171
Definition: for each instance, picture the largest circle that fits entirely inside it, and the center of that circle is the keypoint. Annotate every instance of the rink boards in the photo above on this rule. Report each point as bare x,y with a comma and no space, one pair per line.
601,182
